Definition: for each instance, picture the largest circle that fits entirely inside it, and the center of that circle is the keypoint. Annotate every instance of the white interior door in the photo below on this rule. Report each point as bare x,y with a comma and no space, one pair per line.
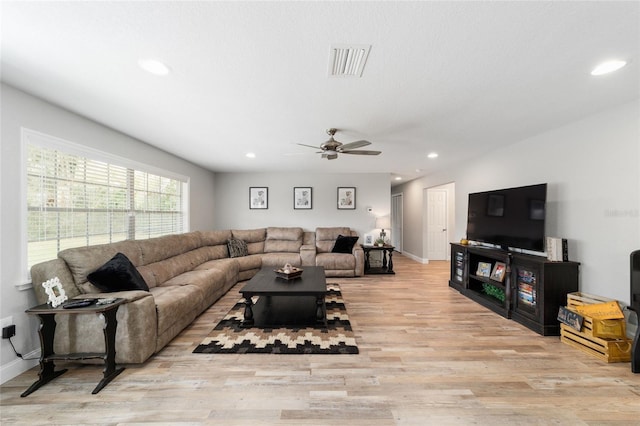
396,221
436,229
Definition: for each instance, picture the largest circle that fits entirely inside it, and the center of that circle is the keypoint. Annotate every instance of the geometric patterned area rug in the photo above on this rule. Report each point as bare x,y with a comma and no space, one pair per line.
337,338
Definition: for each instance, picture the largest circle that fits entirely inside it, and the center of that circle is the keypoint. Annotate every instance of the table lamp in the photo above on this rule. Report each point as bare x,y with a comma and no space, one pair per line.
383,222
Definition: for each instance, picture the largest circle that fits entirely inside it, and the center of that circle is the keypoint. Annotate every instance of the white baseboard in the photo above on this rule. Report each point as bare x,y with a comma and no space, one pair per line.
414,257
18,366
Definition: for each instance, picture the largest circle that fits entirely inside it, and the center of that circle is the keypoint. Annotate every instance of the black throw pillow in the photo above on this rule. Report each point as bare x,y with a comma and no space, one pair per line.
118,274
344,244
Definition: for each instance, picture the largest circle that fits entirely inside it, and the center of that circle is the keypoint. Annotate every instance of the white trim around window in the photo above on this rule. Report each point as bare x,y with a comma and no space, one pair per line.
104,198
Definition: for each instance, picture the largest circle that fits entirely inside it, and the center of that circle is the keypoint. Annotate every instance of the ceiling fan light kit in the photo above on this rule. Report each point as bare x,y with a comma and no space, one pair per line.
331,148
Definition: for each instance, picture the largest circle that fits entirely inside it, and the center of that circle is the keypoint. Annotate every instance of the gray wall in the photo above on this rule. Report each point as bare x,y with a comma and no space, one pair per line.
22,110
593,199
232,196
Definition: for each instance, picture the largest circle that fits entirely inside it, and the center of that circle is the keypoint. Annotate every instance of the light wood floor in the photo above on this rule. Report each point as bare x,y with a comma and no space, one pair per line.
428,355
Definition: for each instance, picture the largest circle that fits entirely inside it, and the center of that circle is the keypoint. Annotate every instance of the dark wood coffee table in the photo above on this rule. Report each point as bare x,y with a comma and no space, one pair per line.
296,302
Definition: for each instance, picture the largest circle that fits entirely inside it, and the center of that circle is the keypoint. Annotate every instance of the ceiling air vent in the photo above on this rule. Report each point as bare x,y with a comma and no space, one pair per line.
348,60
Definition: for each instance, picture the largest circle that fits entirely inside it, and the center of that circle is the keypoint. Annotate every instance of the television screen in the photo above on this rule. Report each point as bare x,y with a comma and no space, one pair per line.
512,217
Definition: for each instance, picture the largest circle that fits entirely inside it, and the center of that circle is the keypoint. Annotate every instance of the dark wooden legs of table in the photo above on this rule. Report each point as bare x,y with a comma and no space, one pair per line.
387,260
635,351
321,310
384,262
110,371
47,367
248,312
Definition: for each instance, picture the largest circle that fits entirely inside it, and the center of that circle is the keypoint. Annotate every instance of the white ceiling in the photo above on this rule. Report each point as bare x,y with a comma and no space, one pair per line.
458,78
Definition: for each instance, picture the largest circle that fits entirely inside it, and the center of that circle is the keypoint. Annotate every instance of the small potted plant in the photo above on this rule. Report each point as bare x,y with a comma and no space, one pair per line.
380,242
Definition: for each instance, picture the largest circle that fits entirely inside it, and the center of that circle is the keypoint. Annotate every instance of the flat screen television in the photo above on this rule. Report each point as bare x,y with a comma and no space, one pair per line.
512,217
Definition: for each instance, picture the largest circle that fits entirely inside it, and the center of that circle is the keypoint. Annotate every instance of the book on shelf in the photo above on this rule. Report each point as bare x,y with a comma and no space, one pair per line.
557,249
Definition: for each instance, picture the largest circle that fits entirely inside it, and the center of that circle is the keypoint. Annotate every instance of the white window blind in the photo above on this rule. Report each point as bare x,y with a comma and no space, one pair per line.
74,200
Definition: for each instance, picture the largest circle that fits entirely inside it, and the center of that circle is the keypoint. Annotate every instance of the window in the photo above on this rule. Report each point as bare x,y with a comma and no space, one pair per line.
76,196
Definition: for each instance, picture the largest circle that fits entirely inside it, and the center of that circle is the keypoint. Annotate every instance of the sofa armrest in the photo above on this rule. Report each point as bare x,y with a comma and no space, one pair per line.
44,271
358,252
308,255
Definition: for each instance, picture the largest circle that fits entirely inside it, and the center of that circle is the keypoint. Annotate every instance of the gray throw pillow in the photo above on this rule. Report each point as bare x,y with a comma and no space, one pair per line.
237,247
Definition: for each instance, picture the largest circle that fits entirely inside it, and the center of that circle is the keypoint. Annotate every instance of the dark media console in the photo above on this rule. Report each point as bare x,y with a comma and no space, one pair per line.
635,305
530,292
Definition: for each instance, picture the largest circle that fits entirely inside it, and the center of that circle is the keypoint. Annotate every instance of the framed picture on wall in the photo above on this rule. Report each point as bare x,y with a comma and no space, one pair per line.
258,197
302,197
346,198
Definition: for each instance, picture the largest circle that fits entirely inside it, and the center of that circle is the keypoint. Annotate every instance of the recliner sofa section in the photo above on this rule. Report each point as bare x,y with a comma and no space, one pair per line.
186,274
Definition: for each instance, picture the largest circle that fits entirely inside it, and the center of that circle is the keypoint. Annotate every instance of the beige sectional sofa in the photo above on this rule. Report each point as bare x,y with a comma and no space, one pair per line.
185,274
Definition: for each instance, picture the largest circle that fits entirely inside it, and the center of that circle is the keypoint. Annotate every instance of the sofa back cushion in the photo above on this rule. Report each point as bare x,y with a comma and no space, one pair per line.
283,240
84,260
253,237
309,238
166,269
215,238
160,248
326,237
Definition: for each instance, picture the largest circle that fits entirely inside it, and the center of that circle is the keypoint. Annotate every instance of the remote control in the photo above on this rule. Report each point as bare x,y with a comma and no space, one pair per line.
80,303
106,301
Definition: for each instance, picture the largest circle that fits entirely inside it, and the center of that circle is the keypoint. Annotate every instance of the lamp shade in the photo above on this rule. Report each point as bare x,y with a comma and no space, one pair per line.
383,222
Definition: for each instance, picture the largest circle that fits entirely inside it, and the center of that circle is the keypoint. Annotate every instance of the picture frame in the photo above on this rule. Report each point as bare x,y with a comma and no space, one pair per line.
499,270
258,197
54,290
484,269
302,198
368,239
346,198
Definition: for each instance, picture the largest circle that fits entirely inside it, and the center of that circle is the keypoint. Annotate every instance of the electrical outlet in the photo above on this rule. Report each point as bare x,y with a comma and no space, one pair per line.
8,331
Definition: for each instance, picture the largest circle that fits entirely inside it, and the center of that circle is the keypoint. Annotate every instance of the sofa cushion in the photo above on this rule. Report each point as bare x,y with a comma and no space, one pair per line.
281,259
160,248
344,244
237,247
214,252
176,303
283,240
326,237
336,261
171,267
84,260
253,237
215,238
117,274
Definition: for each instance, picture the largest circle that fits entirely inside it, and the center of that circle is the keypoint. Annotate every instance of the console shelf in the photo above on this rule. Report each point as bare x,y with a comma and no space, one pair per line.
531,291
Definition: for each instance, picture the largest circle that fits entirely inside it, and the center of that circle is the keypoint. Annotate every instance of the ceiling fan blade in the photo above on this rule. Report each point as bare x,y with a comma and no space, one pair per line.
308,146
362,152
356,144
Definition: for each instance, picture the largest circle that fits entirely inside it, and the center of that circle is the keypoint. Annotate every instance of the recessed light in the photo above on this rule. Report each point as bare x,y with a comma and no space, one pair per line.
154,66
251,155
398,178
432,155
607,67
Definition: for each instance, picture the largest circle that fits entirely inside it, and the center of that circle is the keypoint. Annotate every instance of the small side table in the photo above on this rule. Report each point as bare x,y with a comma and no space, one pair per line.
47,330
387,259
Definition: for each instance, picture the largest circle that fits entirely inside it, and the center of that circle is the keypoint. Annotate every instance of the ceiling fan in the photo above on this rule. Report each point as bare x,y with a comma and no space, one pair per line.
331,148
